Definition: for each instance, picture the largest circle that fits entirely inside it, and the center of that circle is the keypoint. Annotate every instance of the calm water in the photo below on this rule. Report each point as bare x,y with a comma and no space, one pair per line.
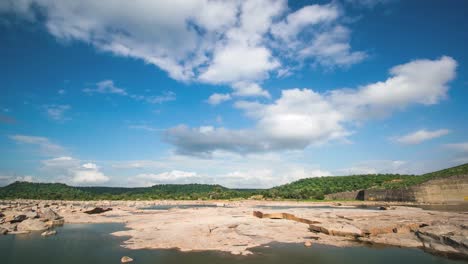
92,244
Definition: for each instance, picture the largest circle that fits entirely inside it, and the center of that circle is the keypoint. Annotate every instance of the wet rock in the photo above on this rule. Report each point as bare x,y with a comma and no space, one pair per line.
126,259
19,232
399,240
98,210
49,233
32,225
444,238
3,231
307,244
336,229
54,223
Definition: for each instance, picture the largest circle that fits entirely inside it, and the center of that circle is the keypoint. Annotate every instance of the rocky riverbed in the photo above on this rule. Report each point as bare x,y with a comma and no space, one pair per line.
236,227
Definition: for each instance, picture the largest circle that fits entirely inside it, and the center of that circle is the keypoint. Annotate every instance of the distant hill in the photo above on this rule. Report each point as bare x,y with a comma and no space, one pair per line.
310,188
58,191
316,188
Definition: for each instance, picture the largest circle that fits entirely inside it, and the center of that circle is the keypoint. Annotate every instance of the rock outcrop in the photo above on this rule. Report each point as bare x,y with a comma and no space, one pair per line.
32,225
284,216
49,233
444,238
337,229
126,259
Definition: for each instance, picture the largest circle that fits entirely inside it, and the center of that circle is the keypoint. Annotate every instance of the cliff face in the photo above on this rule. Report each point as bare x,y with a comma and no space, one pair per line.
444,190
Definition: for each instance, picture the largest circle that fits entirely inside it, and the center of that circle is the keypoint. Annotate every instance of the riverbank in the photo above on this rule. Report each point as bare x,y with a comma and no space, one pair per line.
232,226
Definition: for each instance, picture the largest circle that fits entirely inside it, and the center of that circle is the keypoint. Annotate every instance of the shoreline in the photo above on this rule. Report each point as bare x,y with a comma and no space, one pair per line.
231,226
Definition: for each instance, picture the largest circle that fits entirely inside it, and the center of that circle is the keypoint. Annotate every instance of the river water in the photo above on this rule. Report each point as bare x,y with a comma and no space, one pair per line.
93,244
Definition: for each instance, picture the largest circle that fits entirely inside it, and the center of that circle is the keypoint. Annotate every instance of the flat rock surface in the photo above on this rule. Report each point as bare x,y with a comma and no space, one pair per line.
234,228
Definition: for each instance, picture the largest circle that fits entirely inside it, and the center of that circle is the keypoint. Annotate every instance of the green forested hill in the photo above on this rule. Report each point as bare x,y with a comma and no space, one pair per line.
311,188
316,188
58,191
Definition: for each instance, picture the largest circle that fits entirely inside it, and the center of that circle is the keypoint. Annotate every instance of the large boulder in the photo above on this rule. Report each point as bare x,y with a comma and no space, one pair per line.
32,225
31,214
49,214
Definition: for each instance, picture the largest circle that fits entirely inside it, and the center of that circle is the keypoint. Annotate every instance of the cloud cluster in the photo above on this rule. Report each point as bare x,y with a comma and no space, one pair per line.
230,170
238,43
302,117
73,171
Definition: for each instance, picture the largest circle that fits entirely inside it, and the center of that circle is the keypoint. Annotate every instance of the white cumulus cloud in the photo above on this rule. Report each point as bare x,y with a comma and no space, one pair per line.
216,42
218,98
303,117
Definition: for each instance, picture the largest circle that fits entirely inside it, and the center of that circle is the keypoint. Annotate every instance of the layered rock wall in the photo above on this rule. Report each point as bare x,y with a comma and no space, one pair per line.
443,190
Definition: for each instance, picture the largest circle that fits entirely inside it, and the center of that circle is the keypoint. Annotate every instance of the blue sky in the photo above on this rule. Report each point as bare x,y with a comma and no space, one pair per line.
240,93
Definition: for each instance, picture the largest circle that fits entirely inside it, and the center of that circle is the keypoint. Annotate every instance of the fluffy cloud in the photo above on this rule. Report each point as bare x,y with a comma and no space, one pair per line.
302,117
249,89
223,42
332,48
217,98
417,82
44,145
295,22
8,179
72,171
420,136
88,174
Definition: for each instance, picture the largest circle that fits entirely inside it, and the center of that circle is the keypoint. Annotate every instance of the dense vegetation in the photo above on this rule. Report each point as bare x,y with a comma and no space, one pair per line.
58,191
311,188
316,188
